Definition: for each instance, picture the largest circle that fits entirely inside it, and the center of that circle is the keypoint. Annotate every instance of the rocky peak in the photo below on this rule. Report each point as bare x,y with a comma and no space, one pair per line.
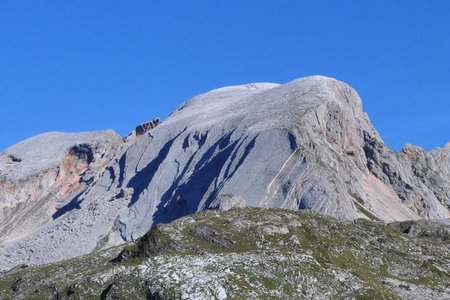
413,151
306,145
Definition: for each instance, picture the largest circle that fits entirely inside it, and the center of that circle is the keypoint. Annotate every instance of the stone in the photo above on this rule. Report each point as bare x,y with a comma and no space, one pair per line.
145,127
227,202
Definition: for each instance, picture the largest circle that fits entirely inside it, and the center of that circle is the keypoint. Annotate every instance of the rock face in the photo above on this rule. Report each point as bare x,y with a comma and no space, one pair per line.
39,177
227,202
145,127
304,145
253,253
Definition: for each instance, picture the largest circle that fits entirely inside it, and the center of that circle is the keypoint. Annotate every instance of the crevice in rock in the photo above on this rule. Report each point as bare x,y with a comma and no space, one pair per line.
14,158
205,172
142,179
83,152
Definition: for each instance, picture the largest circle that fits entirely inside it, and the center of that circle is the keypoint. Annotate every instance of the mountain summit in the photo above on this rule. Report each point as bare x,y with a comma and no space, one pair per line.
304,145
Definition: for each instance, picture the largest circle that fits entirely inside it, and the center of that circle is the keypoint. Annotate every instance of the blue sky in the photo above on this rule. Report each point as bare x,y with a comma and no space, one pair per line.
90,65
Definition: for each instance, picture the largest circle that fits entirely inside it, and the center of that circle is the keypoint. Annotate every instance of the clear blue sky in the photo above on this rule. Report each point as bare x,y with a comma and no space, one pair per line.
89,65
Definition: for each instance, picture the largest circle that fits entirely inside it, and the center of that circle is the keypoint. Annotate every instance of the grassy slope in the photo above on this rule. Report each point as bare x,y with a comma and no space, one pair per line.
251,253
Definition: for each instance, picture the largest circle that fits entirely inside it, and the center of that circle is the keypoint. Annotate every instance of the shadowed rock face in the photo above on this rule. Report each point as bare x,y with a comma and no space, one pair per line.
145,127
302,145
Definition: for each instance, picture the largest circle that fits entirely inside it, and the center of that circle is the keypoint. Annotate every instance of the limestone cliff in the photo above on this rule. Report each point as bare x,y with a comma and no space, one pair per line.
304,145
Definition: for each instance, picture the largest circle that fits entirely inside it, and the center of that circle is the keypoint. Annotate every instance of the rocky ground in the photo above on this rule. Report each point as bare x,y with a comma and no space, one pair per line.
254,253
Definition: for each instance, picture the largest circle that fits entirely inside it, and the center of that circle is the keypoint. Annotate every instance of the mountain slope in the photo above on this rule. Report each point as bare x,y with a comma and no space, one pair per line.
302,145
41,175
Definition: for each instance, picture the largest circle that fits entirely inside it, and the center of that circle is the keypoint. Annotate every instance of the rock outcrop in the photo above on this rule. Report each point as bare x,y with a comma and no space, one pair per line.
142,129
304,145
227,202
145,127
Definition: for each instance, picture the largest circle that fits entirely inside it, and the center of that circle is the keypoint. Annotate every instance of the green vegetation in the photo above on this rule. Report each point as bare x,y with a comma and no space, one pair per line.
5,286
251,253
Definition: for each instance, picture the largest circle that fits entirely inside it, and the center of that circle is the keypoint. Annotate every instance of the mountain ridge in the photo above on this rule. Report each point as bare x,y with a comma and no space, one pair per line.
306,144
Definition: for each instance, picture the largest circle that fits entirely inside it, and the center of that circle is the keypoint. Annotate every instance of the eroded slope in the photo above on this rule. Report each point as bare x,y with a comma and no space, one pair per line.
41,176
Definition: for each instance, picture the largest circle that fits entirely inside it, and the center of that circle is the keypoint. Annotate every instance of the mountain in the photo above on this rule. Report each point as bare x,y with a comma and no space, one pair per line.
41,175
254,253
304,145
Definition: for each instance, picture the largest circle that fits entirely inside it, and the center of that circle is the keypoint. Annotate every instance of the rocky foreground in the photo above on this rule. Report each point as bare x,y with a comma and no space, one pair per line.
254,253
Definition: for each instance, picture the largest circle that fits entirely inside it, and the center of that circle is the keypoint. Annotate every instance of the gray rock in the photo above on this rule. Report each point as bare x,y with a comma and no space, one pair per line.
437,230
304,145
227,202
40,177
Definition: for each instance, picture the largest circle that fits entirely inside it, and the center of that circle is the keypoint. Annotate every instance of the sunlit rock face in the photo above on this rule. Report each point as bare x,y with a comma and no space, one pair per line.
39,175
304,145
